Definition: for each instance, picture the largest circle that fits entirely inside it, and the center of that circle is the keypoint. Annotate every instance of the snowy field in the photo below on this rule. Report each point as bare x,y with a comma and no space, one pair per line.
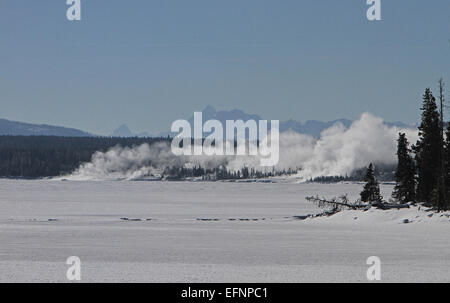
209,232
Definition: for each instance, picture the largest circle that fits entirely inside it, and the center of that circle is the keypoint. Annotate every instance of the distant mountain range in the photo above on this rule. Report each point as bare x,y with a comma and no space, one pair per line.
13,128
311,127
124,131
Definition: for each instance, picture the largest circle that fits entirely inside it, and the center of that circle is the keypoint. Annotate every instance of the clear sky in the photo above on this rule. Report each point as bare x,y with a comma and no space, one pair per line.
148,62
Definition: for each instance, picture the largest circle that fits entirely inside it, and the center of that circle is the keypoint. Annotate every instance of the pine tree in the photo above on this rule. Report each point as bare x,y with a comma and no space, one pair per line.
447,165
371,191
405,188
428,149
444,186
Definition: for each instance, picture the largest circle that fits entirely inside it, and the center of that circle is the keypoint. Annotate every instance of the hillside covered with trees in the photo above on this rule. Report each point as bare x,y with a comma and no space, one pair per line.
48,156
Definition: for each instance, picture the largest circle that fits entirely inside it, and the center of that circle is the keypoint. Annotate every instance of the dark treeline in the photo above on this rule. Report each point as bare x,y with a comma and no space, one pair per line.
221,173
382,172
47,156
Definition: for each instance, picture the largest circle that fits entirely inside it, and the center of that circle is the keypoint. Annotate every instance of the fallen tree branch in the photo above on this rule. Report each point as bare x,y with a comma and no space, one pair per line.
393,206
336,203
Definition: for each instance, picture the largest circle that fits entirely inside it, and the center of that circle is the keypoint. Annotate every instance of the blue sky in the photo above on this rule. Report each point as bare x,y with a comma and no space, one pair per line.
148,62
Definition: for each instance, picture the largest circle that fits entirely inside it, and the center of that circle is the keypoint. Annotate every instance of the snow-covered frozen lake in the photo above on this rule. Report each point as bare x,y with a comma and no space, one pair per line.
206,232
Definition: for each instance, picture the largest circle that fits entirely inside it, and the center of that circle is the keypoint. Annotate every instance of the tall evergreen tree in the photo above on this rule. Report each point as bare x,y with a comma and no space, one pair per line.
371,191
439,197
405,188
428,149
447,165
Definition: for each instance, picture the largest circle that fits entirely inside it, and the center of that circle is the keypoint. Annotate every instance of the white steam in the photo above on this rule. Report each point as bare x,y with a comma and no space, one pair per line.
339,151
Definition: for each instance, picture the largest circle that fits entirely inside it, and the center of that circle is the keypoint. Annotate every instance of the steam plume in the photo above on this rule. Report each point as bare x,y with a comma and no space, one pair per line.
339,151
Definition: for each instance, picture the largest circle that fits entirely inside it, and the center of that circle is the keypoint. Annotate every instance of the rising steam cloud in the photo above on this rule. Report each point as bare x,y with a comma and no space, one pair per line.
339,151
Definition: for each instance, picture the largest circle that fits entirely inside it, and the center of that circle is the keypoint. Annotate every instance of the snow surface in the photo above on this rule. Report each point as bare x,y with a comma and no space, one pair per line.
210,232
